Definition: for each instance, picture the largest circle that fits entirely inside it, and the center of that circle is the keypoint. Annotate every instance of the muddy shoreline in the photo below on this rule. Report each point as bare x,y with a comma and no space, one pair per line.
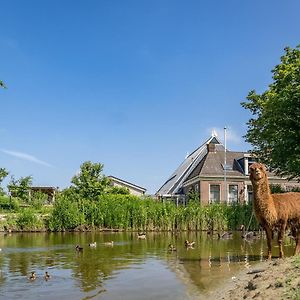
268,280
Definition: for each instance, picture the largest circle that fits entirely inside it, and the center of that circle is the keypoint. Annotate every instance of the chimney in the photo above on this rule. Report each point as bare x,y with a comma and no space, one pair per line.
211,147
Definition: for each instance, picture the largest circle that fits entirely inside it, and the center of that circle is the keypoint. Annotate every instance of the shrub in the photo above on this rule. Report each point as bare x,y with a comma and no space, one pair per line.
276,188
65,214
28,220
9,203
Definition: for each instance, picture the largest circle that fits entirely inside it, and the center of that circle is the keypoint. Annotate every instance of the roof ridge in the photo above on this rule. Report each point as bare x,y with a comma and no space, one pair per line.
187,165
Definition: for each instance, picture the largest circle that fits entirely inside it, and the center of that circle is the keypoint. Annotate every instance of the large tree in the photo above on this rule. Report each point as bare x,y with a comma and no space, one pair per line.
20,188
3,174
274,130
89,183
2,84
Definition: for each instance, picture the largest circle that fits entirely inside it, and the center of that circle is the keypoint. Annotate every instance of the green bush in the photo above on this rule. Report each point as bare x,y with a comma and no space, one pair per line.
27,219
276,188
65,214
9,203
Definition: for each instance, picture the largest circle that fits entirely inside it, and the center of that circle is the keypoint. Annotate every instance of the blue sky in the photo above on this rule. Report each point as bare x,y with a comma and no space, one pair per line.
135,85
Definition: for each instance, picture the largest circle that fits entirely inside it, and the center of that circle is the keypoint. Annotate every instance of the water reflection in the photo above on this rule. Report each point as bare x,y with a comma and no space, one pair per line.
131,268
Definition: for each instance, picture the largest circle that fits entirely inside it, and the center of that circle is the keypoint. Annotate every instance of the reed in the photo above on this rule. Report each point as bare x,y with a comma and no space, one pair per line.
127,212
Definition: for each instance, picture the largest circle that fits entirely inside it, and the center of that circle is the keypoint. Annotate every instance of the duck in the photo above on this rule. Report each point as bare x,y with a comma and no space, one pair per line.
247,235
225,235
189,244
141,235
93,245
78,248
47,276
111,243
32,276
172,248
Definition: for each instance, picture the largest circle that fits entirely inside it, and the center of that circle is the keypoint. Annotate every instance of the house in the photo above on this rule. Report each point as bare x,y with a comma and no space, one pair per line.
205,173
132,188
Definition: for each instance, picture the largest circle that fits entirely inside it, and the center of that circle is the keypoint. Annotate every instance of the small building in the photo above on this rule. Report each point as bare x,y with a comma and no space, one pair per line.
132,188
50,191
204,173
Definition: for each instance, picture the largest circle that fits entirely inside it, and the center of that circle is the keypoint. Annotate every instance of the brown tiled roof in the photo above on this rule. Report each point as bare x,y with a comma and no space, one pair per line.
214,164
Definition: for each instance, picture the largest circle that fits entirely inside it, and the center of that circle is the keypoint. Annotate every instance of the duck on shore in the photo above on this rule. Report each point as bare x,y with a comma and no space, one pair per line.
93,245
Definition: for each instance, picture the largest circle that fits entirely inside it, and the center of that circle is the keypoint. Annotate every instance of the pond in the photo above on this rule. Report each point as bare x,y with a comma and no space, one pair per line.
131,268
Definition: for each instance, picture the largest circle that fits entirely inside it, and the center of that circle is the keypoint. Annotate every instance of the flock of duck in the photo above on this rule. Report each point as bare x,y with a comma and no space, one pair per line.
33,276
188,244
110,243
246,235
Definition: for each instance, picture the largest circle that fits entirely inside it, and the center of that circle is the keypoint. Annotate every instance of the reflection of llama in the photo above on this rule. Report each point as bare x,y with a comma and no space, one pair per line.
275,211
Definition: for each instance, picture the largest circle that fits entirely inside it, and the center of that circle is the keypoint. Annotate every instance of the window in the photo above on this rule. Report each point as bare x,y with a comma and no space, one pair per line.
214,193
227,167
232,193
250,193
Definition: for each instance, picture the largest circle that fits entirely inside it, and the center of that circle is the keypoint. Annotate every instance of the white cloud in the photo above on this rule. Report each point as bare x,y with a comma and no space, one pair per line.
26,156
231,135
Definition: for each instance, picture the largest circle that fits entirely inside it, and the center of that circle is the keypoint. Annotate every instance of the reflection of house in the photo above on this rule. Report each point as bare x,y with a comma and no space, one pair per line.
132,188
204,173
50,191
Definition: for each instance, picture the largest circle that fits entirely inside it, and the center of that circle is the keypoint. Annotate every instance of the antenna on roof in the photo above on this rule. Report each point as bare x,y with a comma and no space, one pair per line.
225,181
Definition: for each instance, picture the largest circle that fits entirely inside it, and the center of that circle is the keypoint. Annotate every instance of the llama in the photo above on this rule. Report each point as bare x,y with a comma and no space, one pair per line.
275,211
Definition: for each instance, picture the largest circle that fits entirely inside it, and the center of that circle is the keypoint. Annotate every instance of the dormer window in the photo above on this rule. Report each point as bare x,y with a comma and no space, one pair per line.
227,167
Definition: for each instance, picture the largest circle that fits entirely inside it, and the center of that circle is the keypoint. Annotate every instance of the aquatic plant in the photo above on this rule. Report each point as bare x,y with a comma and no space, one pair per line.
128,212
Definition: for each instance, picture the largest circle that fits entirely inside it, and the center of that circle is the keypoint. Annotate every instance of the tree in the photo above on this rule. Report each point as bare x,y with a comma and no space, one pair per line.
3,174
274,131
2,84
21,188
90,182
118,190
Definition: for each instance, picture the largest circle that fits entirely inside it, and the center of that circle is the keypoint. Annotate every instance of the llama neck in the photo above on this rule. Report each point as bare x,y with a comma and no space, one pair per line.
263,201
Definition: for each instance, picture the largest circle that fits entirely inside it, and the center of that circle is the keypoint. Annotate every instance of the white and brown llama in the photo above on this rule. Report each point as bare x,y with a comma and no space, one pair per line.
275,211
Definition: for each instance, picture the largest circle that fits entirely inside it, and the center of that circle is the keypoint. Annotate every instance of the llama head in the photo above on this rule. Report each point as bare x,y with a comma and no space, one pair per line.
257,172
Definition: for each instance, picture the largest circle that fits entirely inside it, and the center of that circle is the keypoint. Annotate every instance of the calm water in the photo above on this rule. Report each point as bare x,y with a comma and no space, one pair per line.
130,269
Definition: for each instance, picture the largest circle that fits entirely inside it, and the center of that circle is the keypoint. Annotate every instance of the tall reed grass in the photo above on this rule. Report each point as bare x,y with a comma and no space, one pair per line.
127,212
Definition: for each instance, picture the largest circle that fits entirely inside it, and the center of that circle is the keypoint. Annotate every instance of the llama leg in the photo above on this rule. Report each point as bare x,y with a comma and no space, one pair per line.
297,239
269,242
280,240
